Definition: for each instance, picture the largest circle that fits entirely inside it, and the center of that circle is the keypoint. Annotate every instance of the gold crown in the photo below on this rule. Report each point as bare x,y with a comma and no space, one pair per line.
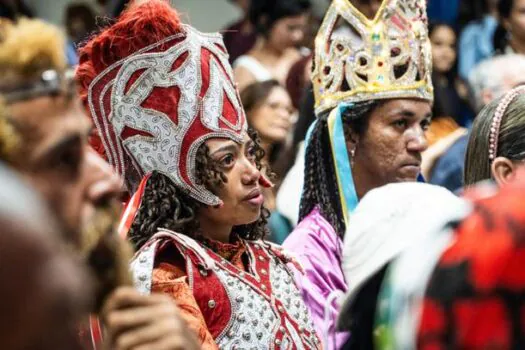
387,57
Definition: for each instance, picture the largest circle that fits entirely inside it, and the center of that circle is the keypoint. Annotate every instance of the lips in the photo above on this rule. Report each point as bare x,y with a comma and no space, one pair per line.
413,165
412,169
255,197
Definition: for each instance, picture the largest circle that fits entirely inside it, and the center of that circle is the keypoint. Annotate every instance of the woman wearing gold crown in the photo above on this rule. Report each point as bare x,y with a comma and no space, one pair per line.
171,122
373,105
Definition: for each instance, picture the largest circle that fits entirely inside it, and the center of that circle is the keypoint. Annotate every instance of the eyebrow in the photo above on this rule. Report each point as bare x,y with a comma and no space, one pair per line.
230,147
70,140
409,114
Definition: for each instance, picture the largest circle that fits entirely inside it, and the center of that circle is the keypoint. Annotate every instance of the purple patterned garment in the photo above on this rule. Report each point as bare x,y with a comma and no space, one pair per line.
319,250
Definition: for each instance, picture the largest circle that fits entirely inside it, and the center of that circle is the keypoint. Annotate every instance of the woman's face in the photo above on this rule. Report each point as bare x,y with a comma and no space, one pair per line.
273,117
288,32
389,149
515,24
241,194
443,40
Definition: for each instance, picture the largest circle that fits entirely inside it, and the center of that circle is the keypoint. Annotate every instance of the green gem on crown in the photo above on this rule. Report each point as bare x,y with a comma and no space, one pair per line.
376,36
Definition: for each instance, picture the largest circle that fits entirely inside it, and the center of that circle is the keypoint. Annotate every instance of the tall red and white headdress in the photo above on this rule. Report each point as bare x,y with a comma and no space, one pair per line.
157,90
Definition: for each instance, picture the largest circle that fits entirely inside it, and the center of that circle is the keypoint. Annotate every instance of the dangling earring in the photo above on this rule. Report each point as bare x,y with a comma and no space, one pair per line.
352,156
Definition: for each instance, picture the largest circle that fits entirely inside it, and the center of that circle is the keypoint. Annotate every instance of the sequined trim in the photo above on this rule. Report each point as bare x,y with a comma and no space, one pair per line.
162,151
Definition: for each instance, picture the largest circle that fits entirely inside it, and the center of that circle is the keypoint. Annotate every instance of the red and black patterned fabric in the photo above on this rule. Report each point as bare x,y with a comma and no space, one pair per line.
476,295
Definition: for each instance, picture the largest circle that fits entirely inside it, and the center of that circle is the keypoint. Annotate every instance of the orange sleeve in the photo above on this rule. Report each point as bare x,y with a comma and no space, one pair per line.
171,280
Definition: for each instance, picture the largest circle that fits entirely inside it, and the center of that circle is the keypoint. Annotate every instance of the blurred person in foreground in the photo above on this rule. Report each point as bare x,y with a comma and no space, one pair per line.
170,118
45,291
373,106
280,27
489,80
388,221
431,266
45,132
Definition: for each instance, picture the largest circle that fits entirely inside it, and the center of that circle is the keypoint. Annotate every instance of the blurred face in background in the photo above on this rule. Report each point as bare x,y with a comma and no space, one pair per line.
515,24
288,32
443,40
273,117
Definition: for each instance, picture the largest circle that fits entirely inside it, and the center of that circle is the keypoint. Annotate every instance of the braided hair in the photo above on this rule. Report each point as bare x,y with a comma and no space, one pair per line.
320,181
164,205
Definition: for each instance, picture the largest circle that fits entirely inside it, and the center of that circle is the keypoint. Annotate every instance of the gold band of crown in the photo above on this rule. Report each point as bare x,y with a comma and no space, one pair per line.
387,57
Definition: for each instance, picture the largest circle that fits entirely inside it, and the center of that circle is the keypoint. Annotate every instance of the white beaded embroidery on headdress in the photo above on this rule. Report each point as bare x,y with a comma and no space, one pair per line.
498,117
144,137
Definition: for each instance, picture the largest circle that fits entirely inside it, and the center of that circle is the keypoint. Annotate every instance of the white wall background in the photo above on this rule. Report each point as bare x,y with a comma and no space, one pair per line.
206,15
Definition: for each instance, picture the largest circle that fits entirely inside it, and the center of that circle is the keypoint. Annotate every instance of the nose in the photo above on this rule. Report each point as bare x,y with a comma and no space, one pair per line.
417,141
250,173
103,183
283,112
298,35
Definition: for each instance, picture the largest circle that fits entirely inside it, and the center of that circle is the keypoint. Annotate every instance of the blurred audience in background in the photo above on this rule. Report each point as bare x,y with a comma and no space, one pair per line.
270,112
510,33
486,86
280,27
446,11
451,94
14,9
80,21
240,37
496,146
476,41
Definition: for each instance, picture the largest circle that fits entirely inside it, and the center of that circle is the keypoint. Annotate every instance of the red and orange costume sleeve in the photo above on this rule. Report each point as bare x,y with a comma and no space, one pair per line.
170,279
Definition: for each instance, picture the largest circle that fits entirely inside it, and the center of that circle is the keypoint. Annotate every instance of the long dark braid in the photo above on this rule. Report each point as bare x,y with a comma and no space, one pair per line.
164,205
320,181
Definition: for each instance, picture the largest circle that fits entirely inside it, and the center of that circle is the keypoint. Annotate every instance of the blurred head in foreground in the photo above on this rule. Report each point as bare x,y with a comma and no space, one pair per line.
44,291
43,135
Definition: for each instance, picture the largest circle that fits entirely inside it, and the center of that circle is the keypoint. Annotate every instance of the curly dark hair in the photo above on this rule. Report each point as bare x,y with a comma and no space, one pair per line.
320,181
164,205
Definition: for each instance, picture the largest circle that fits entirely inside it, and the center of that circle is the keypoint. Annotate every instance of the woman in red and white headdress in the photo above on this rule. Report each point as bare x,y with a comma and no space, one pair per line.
170,121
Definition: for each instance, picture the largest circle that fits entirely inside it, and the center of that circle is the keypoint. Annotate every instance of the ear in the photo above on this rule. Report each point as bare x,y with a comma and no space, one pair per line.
351,138
502,170
219,206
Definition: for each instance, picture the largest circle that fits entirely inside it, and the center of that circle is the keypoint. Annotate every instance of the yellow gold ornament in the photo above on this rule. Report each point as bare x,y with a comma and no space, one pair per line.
388,57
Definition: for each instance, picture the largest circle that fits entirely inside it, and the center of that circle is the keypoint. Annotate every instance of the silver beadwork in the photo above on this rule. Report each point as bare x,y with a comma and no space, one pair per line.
162,150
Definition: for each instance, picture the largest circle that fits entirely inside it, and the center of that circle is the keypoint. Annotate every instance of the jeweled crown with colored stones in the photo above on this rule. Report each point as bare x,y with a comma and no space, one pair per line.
386,57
